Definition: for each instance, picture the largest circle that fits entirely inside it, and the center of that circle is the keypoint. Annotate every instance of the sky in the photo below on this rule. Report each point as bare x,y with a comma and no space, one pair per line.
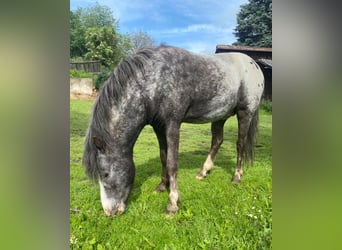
195,25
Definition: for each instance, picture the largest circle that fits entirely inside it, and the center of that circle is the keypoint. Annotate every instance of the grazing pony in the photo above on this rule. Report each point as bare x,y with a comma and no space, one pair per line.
165,86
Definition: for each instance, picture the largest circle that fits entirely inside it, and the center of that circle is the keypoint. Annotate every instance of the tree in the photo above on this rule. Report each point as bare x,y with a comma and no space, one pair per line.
98,16
101,44
141,39
254,24
106,45
93,35
77,34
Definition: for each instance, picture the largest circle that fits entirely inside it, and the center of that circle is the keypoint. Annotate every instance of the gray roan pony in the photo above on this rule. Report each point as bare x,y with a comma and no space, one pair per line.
163,87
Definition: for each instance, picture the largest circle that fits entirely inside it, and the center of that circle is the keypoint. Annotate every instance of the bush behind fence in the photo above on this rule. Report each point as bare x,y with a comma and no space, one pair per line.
87,66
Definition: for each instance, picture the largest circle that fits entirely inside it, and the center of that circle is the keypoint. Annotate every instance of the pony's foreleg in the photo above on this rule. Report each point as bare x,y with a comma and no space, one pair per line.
243,124
163,156
172,137
216,141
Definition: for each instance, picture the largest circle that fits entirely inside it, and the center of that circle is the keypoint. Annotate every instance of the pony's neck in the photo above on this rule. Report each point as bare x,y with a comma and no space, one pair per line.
127,120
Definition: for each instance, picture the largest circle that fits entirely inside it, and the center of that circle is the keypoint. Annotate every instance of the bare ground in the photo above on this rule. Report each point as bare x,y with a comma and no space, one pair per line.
78,96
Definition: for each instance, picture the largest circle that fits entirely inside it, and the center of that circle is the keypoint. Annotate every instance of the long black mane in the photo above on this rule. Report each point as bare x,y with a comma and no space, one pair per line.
110,94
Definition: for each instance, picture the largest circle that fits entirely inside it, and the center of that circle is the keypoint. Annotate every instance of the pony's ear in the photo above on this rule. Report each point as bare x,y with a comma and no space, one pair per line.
99,143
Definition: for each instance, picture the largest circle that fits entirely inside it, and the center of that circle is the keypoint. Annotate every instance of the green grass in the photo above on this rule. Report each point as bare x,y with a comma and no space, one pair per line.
266,106
80,73
214,214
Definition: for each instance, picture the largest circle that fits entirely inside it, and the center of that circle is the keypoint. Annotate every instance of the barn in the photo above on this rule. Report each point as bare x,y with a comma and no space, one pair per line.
263,56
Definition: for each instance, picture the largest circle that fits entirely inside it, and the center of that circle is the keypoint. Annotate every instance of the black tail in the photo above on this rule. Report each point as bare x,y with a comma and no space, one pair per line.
248,149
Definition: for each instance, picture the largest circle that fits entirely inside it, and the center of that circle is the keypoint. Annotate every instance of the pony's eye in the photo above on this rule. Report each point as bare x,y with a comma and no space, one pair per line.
106,175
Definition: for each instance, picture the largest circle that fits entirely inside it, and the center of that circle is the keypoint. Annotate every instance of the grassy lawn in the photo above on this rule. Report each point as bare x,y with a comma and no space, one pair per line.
214,214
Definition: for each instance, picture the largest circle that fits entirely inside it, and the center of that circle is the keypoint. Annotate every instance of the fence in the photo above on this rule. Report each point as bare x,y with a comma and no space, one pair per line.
87,66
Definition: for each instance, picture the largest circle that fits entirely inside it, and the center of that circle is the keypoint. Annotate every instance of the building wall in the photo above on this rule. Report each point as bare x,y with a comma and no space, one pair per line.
267,95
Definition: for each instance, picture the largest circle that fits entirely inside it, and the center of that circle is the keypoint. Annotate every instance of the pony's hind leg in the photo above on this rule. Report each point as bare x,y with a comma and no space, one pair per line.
163,156
216,141
247,123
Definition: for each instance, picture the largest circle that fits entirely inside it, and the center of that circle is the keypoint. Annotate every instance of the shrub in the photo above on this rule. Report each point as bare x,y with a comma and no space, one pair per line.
267,106
100,79
80,74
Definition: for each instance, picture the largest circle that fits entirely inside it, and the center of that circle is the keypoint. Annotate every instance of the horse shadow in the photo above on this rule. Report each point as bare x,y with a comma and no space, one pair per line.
191,161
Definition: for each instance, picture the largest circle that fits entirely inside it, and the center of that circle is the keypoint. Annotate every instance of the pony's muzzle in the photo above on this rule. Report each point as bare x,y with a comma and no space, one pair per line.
108,212
118,209
110,205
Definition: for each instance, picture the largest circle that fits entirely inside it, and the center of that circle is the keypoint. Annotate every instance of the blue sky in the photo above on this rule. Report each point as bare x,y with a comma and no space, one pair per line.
195,25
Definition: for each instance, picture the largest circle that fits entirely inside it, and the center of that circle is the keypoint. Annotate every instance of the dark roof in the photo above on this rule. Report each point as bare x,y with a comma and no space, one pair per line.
242,48
262,55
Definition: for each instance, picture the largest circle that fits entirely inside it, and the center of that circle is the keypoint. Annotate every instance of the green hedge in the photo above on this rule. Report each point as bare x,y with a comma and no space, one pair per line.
100,79
267,106
80,74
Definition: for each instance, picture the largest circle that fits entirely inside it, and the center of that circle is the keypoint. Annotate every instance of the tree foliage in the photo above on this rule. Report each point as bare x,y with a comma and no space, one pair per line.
77,34
106,45
99,16
254,24
93,35
141,39
101,44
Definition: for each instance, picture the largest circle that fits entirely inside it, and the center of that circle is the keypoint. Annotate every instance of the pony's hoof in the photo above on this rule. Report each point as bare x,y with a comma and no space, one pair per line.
171,210
160,188
169,215
236,179
200,176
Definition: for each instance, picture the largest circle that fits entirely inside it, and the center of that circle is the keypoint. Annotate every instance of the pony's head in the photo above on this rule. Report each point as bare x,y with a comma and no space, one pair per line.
116,176
111,166
108,156
114,170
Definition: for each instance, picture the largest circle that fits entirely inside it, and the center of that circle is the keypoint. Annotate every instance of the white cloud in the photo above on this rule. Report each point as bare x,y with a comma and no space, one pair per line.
127,11
199,47
215,12
197,25
191,28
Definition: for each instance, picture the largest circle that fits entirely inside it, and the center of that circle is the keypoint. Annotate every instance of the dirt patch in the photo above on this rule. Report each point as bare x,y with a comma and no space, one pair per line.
78,96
